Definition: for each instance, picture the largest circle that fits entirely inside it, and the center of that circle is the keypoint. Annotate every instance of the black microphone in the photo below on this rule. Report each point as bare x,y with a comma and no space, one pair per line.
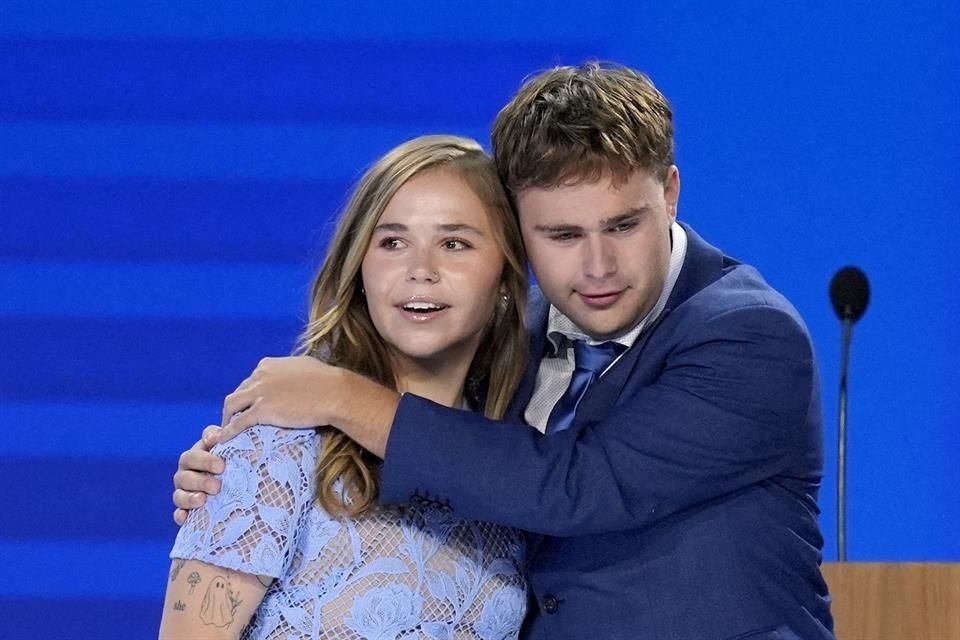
850,295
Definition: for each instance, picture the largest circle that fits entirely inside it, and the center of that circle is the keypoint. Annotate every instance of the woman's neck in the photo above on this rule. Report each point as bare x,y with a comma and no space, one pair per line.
440,380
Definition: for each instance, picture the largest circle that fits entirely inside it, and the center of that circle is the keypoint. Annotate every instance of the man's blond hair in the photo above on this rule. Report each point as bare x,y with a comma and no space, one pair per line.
578,124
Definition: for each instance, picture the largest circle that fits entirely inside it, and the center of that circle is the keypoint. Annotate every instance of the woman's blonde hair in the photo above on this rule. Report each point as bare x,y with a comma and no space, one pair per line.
340,330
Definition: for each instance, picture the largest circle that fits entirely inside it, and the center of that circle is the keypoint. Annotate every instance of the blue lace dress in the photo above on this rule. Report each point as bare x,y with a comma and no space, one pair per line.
412,572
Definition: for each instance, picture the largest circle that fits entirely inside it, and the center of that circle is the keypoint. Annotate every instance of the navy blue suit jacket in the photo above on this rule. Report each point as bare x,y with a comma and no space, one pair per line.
682,505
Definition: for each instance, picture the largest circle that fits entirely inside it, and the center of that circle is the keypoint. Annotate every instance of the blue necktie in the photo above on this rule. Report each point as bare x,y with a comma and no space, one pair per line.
590,361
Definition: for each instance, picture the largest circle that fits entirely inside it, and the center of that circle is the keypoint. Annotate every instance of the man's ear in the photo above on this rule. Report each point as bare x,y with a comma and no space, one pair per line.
671,190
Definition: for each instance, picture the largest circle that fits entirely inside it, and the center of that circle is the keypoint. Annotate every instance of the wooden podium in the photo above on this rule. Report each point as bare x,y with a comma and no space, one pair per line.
895,601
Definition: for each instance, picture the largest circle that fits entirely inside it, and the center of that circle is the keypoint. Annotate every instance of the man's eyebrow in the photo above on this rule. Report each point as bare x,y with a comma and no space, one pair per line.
620,218
612,221
557,228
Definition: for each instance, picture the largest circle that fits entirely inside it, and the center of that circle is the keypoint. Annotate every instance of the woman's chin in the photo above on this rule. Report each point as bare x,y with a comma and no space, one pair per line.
431,354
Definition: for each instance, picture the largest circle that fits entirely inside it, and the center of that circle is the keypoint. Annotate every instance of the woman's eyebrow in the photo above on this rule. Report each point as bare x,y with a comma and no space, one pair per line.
390,226
454,227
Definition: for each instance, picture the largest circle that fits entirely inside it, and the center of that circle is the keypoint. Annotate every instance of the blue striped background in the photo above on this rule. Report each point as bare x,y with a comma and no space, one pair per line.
169,172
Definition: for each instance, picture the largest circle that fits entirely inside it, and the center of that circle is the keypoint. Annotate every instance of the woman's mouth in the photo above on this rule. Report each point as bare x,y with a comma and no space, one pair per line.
421,310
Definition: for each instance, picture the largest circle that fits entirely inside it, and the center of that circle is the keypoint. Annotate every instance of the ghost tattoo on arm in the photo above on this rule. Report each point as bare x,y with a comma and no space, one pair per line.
219,603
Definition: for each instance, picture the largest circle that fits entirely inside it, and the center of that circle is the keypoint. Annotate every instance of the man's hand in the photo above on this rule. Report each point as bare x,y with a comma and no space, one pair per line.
298,392
194,478
283,392
294,392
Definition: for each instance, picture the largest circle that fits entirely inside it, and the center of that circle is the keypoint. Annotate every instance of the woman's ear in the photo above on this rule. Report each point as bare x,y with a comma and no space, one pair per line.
504,296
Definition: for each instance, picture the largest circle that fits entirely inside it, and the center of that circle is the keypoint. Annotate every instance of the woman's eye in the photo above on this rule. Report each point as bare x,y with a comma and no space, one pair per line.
455,244
391,243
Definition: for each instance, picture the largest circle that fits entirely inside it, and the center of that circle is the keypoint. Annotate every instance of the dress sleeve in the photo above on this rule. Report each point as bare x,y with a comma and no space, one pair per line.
252,525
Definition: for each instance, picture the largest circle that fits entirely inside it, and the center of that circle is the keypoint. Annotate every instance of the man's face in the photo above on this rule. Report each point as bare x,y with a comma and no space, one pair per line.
601,252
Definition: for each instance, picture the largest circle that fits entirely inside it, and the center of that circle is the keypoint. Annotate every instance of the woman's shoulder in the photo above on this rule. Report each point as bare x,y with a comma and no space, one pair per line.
269,441
252,525
264,463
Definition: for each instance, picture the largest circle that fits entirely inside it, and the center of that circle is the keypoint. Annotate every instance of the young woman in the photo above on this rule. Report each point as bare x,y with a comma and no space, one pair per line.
423,289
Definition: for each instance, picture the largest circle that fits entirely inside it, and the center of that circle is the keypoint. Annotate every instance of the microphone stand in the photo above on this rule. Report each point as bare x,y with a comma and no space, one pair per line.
842,447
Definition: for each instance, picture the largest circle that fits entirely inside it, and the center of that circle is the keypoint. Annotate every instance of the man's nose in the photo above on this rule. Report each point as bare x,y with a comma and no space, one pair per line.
599,258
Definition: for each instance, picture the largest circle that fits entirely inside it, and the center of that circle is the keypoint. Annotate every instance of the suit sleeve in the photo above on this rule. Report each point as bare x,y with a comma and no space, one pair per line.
727,411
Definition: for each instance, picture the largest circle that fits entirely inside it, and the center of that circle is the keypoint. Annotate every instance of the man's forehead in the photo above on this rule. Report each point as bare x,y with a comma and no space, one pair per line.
585,203
575,177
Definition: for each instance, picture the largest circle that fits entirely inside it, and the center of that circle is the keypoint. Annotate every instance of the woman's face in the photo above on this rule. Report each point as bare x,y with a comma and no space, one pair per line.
432,270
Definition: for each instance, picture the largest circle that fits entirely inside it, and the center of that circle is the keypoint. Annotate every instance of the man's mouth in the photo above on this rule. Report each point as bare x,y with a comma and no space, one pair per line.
600,299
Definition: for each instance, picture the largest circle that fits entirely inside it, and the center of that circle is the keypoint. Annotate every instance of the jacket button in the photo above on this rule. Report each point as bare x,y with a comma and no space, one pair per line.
550,604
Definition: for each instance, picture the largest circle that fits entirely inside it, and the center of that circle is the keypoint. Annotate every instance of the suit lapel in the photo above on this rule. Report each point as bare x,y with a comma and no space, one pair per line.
605,392
703,265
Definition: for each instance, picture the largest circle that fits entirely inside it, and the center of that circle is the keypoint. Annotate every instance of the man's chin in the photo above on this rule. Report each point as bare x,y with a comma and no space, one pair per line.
602,330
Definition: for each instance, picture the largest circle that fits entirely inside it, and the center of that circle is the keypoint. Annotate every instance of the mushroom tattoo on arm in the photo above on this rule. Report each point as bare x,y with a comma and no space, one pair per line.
194,580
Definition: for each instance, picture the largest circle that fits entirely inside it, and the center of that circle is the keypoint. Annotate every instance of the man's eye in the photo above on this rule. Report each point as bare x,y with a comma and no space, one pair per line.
624,226
564,236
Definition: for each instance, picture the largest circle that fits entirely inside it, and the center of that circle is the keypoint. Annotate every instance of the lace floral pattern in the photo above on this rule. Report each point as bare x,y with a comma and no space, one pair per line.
415,572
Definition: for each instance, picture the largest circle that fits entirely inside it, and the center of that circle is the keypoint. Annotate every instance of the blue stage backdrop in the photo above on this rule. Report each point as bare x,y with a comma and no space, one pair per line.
169,173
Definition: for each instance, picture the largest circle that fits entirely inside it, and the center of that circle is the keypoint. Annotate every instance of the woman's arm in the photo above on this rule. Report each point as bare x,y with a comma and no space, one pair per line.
253,527
208,602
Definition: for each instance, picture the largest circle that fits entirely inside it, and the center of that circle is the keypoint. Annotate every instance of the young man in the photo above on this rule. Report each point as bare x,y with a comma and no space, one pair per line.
677,456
